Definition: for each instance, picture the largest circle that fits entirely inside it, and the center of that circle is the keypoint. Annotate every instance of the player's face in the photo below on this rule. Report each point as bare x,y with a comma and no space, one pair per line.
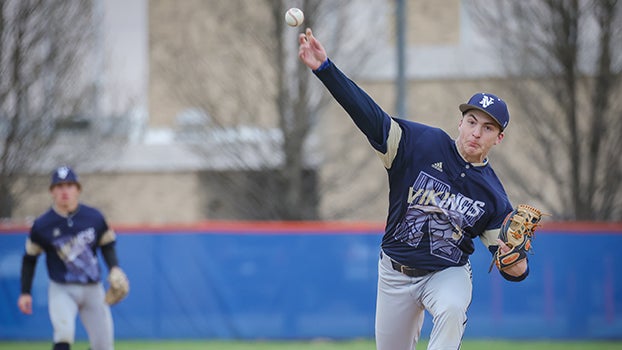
65,196
478,132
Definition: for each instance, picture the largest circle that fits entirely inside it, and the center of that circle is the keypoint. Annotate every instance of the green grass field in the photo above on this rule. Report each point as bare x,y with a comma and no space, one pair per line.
319,345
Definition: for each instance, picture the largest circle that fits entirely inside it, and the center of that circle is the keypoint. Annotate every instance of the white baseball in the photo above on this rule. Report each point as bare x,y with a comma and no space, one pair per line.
294,17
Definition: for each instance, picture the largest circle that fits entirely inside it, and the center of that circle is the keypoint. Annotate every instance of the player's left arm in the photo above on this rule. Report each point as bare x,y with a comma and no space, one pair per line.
514,242
117,279
107,244
514,273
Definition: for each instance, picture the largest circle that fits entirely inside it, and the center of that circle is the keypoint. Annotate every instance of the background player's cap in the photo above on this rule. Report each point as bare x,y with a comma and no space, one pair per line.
64,174
491,105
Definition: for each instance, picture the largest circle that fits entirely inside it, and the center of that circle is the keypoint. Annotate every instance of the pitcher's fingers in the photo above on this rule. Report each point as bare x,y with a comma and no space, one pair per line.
312,40
302,38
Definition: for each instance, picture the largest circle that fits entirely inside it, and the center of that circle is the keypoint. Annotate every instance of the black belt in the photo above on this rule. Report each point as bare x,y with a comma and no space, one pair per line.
407,270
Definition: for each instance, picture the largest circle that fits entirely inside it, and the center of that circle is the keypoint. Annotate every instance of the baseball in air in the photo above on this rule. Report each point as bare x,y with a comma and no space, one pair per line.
294,17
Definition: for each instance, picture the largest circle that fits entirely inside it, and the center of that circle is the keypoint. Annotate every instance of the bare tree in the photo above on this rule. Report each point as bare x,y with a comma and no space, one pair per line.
48,90
565,60
256,122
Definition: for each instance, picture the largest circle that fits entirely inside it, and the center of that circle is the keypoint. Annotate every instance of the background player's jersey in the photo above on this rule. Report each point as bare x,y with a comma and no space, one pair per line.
70,243
438,202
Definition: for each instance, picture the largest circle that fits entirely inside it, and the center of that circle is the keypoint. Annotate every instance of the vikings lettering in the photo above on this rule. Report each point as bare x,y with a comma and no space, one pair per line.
78,256
69,249
434,210
471,209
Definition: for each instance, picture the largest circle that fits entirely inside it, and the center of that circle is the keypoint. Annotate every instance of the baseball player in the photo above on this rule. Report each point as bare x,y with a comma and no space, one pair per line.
443,194
69,234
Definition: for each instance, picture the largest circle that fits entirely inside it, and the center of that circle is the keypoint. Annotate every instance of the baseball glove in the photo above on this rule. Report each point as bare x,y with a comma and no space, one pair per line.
517,232
119,286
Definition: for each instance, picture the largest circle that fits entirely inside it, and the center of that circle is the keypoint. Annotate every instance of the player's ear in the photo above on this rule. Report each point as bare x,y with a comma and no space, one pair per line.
500,137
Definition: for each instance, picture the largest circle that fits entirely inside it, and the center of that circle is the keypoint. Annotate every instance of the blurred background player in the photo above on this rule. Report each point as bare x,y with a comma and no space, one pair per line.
69,234
442,195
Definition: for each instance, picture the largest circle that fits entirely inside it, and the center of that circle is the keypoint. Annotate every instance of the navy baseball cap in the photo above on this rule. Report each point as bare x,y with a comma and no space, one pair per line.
64,174
491,105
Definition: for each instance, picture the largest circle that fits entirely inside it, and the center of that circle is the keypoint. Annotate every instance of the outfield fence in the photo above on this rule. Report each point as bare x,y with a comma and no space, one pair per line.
318,280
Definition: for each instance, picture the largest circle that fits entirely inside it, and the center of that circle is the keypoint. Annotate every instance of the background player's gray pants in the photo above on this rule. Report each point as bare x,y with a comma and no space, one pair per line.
402,300
66,300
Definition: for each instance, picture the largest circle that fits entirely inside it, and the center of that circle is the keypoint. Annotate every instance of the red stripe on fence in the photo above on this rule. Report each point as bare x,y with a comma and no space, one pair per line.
250,227
315,227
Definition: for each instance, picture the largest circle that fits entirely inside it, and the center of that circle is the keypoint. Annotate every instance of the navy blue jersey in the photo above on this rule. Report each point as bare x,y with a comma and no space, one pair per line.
70,243
438,202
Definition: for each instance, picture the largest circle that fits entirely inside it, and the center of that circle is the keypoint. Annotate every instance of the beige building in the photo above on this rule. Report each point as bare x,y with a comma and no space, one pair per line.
194,49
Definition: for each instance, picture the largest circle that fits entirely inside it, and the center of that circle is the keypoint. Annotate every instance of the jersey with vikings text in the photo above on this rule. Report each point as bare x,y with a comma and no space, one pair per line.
438,202
70,243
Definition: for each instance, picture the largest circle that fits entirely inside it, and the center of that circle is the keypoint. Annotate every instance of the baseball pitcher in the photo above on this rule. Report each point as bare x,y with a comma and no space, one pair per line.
443,194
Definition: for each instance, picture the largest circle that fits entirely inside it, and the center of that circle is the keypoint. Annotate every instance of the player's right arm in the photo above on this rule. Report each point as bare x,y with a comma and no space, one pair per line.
29,262
383,133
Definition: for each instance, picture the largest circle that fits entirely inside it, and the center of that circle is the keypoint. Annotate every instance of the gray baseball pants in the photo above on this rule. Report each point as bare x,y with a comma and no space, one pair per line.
67,300
402,301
